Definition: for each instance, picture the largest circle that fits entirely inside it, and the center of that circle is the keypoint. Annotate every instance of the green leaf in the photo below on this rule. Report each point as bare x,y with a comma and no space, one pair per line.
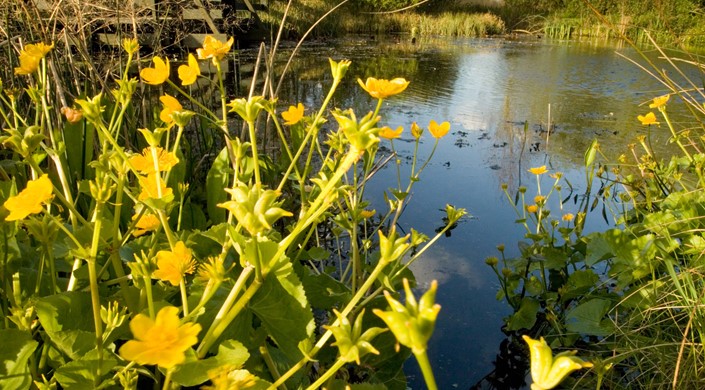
282,307
598,248
193,372
81,374
216,181
17,347
68,321
325,292
588,318
525,317
579,283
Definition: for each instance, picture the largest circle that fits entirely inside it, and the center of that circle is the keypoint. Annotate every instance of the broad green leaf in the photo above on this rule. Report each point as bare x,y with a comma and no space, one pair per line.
17,348
588,318
282,307
68,321
81,374
325,292
194,371
579,283
598,249
525,317
216,181
192,217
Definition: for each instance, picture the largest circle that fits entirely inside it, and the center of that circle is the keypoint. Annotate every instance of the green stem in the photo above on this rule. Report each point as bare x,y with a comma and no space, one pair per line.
93,280
422,359
330,372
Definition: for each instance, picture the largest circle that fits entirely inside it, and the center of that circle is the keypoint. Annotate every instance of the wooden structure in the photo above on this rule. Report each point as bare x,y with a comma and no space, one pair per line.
185,21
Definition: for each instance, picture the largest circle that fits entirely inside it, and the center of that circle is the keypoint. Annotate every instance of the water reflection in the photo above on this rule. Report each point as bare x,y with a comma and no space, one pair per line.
496,94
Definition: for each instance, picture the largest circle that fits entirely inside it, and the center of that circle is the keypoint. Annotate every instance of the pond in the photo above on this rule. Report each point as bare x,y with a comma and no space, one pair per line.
487,89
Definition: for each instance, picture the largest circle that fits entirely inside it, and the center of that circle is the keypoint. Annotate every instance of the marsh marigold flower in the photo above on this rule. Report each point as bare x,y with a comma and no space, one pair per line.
568,217
648,119
162,341
170,104
659,101
72,115
532,208
548,371
213,48
157,75
30,57
438,131
382,89
172,266
189,73
416,131
538,170
388,133
30,200
293,115
153,187
145,164
147,223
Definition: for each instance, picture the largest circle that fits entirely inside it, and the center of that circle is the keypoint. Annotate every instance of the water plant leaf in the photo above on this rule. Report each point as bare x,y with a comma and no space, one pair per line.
325,292
588,318
80,373
193,371
67,322
17,348
579,283
525,317
282,307
216,181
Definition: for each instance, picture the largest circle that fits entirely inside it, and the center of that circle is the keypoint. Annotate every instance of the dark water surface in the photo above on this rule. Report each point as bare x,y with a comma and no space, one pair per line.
486,89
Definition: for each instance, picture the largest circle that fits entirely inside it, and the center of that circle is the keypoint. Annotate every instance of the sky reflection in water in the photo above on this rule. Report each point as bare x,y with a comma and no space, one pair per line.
486,89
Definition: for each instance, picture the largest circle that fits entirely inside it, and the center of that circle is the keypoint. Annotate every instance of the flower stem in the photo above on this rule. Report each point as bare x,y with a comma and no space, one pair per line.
425,365
330,372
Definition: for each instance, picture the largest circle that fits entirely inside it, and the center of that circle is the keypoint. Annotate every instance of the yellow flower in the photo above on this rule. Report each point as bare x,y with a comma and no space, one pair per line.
162,341
144,163
548,372
228,377
150,189
293,115
538,170
382,89
568,217
648,119
416,131
170,105
438,131
72,115
659,101
147,223
173,265
539,198
388,133
30,200
157,75
532,208
30,57
189,73
213,48
368,213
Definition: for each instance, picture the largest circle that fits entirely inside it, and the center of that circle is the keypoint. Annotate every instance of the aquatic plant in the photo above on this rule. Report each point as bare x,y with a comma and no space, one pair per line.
105,283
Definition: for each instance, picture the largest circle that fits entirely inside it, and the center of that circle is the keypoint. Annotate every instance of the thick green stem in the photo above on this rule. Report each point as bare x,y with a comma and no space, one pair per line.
329,373
93,280
422,359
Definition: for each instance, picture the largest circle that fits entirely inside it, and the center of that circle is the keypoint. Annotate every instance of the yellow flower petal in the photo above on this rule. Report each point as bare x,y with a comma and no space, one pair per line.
213,48
170,105
388,133
293,115
538,170
162,341
30,200
172,266
659,101
157,75
153,187
144,163
438,131
382,89
648,119
190,72
30,57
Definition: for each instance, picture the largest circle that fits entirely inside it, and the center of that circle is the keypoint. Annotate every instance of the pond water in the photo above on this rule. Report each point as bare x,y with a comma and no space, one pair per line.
487,89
